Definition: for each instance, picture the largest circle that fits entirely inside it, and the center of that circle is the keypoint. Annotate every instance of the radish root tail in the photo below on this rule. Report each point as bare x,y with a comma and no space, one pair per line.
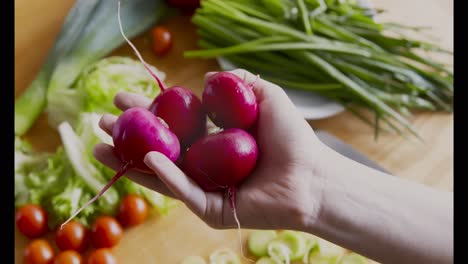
232,200
125,167
161,85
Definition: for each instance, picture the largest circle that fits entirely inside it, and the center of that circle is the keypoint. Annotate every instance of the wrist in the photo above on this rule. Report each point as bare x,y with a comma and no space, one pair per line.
333,178
321,179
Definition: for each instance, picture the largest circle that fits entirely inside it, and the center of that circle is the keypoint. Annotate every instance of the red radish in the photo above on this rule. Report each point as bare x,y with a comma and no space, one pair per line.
179,107
182,111
137,132
221,160
229,101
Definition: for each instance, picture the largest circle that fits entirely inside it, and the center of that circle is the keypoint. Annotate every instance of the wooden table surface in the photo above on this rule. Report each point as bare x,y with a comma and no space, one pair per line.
168,239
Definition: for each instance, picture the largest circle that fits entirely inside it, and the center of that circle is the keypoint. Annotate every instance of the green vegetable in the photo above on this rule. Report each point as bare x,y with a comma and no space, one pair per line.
258,242
266,260
96,86
279,252
89,32
224,256
353,258
193,260
27,165
32,102
328,249
80,162
51,182
316,258
295,242
332,48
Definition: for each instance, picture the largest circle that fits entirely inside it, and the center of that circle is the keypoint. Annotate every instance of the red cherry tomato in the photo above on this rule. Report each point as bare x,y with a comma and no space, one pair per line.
161,39
105,232
102,256
38,251
72,236
68,257
31,221
133,210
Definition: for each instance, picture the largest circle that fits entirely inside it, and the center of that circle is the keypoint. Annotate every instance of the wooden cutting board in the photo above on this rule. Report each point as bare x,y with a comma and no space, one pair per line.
170,238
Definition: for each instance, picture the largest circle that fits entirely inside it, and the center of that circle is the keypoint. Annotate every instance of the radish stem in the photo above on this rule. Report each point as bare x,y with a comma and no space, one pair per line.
123,169
161,85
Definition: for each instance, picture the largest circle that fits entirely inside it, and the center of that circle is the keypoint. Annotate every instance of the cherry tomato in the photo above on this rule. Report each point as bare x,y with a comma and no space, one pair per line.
31,221
72,236
161,39
132,211
68,257
105,232
38,251
102,256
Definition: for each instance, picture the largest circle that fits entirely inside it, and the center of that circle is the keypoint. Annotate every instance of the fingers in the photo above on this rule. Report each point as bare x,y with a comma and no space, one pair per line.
107,122
124,101
105,154
177,182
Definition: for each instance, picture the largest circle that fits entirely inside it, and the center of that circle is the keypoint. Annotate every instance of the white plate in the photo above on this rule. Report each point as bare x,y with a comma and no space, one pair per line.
312,105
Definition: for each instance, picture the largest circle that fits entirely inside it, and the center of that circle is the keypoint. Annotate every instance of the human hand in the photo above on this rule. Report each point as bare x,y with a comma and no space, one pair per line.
283,192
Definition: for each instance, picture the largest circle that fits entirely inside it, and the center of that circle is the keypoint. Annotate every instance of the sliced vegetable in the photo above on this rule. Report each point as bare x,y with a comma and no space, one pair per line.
317,258
326,248
279,252
193,260
353,258
258,242
311,246
266,260
224,256
295,242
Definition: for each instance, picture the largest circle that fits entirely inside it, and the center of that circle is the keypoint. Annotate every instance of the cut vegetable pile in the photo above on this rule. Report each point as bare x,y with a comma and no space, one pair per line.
284,247
331,47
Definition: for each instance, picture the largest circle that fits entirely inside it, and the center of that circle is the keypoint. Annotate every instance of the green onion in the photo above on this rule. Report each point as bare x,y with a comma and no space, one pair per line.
333,48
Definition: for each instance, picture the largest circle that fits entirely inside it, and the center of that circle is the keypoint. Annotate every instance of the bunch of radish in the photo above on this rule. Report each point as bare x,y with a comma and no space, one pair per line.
176,125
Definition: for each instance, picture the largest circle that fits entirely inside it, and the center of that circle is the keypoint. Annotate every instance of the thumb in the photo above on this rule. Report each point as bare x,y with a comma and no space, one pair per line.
177,182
